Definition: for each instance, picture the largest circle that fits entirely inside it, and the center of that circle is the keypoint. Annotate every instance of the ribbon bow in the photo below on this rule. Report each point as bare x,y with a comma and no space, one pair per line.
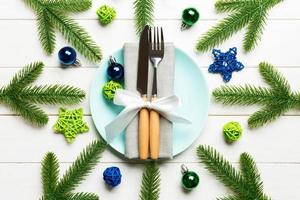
133,103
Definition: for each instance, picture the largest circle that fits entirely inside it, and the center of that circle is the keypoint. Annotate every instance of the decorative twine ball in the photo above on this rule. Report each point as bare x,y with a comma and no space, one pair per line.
109,89
232,131
106,14
112,176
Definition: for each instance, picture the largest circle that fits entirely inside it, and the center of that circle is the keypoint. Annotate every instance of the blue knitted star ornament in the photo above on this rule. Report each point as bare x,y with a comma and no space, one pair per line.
112,176
225,63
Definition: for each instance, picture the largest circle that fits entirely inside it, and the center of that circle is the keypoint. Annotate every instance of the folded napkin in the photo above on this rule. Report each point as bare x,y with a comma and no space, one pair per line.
165,86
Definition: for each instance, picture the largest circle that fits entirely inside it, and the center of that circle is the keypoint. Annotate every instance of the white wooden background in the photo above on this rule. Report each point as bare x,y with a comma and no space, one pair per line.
275,147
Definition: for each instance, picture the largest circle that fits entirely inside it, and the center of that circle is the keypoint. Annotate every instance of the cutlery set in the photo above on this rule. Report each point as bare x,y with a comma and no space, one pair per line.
151,48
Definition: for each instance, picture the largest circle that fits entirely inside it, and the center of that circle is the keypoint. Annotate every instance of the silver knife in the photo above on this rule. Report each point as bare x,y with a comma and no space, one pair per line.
142,86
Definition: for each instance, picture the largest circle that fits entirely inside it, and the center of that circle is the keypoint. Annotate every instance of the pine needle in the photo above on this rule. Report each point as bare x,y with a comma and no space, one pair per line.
21,97
143,13
51,15
245,184
53,188
250,13
276,100
150,187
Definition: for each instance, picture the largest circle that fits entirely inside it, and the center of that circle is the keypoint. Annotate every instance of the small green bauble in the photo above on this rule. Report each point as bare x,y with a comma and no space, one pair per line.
106,14
109,89
190,179
232,132
189,17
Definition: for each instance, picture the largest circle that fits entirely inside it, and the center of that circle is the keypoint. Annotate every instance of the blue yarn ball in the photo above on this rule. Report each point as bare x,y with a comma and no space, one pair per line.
112,176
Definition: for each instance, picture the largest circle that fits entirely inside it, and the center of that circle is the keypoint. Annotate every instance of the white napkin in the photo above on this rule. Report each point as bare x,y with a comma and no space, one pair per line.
165,86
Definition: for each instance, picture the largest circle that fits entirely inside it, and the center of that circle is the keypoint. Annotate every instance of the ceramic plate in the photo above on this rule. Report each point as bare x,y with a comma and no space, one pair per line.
190,86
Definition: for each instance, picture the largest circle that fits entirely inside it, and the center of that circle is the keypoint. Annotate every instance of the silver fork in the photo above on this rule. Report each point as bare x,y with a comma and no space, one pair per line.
156,54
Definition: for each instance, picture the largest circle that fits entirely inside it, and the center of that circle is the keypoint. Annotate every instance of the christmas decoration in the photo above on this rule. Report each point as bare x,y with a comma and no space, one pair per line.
150,186
67,56
21,96
277,99
115,71
244,184
106,14
143,13
112,176
189,17
190,179
70,123
252,14
232,131
51,15
109,89
225,63
63,188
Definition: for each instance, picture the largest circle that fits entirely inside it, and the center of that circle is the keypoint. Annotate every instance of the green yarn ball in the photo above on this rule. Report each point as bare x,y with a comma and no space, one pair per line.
106,14
109,89
232,131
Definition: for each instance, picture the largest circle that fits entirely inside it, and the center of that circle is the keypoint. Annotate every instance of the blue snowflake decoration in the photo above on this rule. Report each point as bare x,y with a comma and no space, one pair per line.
112,176
225,63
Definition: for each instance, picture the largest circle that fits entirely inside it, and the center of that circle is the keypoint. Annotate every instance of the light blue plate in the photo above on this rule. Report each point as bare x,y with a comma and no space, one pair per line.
190,86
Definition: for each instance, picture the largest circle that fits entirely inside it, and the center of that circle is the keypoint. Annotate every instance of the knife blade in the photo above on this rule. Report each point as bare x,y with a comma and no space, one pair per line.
143,62
142,86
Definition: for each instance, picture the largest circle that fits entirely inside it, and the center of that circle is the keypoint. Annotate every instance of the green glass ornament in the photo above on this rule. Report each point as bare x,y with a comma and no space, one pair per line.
189,17
190,179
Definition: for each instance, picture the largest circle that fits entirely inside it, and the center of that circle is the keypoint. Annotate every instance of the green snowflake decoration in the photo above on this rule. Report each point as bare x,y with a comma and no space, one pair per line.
245,13
70,123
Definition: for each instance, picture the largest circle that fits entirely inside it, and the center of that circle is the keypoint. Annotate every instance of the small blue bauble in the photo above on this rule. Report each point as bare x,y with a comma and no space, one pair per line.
67,56
112,176
115,71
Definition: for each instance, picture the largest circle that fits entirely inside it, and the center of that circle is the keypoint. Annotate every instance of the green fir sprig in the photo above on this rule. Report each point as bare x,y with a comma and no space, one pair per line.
150,186
244,184
51,16
21,96
143,13
55,188
250,13
276,100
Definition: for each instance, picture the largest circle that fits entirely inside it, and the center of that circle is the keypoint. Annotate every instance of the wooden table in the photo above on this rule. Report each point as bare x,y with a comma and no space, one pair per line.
276,147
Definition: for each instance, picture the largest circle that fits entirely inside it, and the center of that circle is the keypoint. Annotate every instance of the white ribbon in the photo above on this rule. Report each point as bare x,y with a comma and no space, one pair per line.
133,103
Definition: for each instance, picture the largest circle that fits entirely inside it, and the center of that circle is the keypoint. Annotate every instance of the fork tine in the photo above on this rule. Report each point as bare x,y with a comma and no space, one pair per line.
150,37
154,38
158,39
162,39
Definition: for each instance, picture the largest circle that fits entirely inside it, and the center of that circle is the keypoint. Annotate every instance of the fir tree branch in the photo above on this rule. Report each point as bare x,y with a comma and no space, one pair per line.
54,189
50,173
250,173
251,13
150,187
20,96
223,170
52,14
26,76
245,184
46,31
80,168
82,196
72,6
76,35
52,94
275,100
143,13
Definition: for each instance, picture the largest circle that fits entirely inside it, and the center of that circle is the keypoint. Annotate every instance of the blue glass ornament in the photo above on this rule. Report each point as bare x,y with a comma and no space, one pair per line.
112,176
225,63
115,71
67,56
